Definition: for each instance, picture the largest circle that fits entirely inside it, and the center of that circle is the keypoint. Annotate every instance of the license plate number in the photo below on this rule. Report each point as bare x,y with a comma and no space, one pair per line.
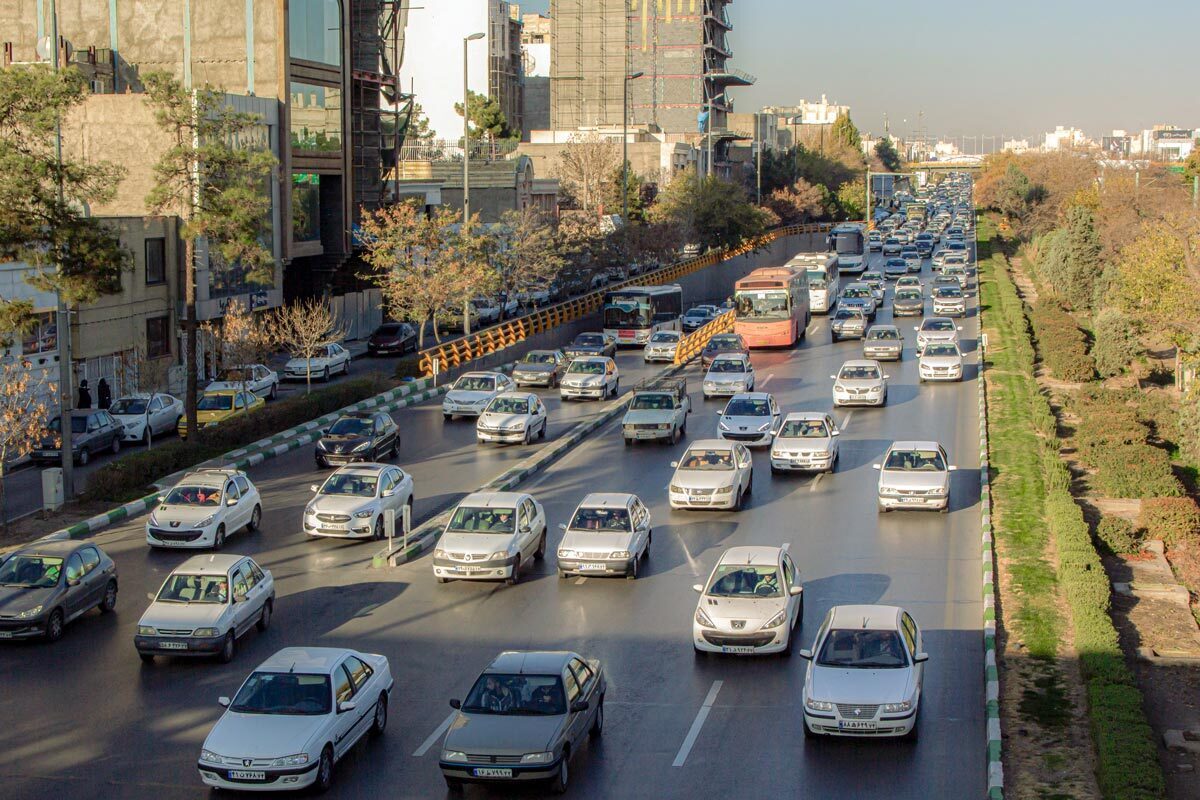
593,567
492,772
5,634
247,775
738,648
470,570
856,725
173,645
647,435
912,500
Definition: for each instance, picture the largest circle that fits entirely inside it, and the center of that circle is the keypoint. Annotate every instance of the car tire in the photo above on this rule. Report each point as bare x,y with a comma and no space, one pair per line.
562,574
379,722
628,442
454,786
597,729
325,375
774,470
442,580
264,618
147,437
447,417
882,508
219,538
540,553
109,601
116,444
228,648
559,783
787,648
912,735
750,485
676,435
542,430
809,734
737,502
54,625
324,778
255,519
147,658
632,574
83,457
274,393
528,435
514,578
377,533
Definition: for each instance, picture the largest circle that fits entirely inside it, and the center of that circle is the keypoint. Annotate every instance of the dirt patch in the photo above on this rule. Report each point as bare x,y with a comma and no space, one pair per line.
35,526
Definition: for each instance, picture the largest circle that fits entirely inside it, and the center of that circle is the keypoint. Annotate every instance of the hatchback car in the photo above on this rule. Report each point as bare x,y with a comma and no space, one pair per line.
865,674
204,606
712,474
540,368
145,415
257,378
351,503
512,418
940,361
296,716
875,281
45,585
490,536
592,344
524,718
662,346
392,338
216,406
914,475
860,382
472,392
729,374
332,359
594,377
609,534
204,507
358,436
751,418
806,441
883,343
93,431
847,323
751,604
948,301
936,329
895,268
720,344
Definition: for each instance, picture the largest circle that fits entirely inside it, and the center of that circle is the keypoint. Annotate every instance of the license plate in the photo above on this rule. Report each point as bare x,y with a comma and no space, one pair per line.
647,435
912,499
739,648
593,567
492,772
247,775
173,645
799,462
856,725
5,634
470,570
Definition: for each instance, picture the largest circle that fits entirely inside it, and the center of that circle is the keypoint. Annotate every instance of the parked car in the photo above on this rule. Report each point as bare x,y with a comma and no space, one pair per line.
540,368
722,343
658,411
609,534
662,346
914,475
807,440
491,536
145,415
358,436
512,418
331,360
202,508
592,344
93,431
204,606
48,584
392,338
751,604
217,406
257,378
351,503
712,474
472,392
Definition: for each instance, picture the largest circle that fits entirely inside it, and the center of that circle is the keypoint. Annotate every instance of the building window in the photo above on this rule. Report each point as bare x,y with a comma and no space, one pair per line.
306,207
316,113
42,335
315,31
156,261
158,337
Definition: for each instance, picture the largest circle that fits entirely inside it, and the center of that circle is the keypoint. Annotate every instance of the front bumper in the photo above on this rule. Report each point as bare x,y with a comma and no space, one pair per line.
133,434
170,645
659,355
723,390
848,333
22,628
949,311
355,528
501,437
326,458
498,773
883,353
582,392
762,642
596,566
678,500
754,439
274,780
180,538
949,374
460,410
882,726
918,501
634,432
873,399
532,379
474,570
801,463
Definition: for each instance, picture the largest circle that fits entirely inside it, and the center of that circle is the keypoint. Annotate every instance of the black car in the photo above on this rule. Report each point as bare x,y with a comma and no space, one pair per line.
92,431
591,344
391,338
361,436
47,584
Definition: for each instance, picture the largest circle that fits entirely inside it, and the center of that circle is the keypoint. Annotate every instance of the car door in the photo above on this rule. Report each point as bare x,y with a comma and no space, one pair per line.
366,694
589,689
94,580
791,578
526,529
749,376
641,528
233,510
775,415
258,591
344,722
75,597
244,612
610,375
745,465
385,433
577,721
154,415
912,639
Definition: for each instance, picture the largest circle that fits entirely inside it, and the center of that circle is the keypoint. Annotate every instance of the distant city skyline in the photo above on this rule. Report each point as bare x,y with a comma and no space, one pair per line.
1014,69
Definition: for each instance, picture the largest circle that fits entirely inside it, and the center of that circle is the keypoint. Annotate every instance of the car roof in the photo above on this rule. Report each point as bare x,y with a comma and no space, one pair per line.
914,444
601,359
209,476
883,328
759,555
220,392
865,617
860,362
804,415
51,547
480,375
710,444
306,659
516,393
606,500
211,564
363,468
493,499
138,396
731,357
533,662
358,414
751,396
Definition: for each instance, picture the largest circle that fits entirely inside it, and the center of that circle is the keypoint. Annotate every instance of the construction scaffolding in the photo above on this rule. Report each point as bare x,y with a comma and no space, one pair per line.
590,59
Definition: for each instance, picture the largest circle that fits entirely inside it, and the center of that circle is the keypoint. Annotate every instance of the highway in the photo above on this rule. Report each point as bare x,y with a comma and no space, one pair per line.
86,716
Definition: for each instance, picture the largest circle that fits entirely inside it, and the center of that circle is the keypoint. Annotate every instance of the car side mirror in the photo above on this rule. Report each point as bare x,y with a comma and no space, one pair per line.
388,492
223,701
239,597
806,654
916,328
887,377
920,657
455,703
953,468
836,432
674,465
562,526
833,377
874,466
578,706
525,529
346,705
795,590
72,581
231,501
699,587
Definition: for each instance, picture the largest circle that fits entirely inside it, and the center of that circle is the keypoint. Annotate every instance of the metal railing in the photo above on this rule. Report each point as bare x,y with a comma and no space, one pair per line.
691,345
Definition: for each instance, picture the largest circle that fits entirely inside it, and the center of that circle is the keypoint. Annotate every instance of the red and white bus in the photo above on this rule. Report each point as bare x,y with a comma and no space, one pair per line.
772,307
633,314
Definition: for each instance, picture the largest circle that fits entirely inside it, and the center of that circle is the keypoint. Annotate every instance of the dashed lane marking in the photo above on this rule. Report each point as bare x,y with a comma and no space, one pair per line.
581,580
697,724
846,421
433,737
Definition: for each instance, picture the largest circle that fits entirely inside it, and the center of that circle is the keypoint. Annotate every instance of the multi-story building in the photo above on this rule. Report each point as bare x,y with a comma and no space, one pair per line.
536,51
1065,139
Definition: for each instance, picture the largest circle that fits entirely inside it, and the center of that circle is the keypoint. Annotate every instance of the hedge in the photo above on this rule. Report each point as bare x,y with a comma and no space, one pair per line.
1110,437
1118,535
1062,345
1175,520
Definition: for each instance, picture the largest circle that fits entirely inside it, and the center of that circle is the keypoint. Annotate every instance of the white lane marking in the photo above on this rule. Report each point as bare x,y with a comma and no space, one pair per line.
767,379
846,421
687,554
581,580
811,329
816,481
697,724
433,737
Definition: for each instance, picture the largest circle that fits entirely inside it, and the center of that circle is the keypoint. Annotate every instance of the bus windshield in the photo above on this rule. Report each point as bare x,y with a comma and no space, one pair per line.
623,314
850,244
816,279
759,304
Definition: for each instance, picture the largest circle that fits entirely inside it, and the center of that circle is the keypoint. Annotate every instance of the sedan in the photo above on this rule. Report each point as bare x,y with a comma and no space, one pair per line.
257,378
350,504
751,418
909,282
729,374
524,718
540,368
883,343
511,418
609,534
472,392
712,474
936,329
491,536
948,301
358,436
956,271
875,281
392,338
592,344
146,415
807,440
895,268
874,241
860,382
296,716
695,318
594,377
940,361
204,606
662,346
847,323
92,431
912,258
216,406
328,360
914,475
751,604
864,674
722,343
47,584
891,246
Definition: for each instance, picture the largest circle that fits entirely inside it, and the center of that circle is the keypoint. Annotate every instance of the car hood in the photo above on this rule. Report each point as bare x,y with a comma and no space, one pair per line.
755,610
183,615
340,504
942,361
502,735
704,479
304,362
15,599
909,302
745,424
263,735
125,419
493,418
468,396
581,379
596,541
486,543
872,383
533,366
793,443
587,349
217,386
722,377
897,479
347,441
860,686
185,515
647,416
216,416
884,343
938,336
851,321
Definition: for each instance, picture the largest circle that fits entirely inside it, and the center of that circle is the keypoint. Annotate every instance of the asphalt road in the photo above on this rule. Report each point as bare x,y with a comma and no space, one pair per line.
86,716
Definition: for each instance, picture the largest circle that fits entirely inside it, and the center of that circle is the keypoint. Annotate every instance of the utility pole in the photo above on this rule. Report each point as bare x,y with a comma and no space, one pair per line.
466,221
66,378
625,144
758,158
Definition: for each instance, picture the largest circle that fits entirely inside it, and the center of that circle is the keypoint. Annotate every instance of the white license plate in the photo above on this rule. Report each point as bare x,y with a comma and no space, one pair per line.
5,634
739,648
173,645
470,570
647,435
912,499
856,725
492,772
247,775
593,567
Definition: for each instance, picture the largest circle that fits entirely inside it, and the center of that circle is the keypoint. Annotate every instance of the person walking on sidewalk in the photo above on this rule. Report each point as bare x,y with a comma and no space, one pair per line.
85,395
103,395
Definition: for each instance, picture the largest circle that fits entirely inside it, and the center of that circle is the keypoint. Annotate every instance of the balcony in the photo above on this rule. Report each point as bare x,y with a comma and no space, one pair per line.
727,76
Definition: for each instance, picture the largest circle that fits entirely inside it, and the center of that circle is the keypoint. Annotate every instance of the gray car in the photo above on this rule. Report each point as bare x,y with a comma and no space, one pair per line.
540,368
847,323
883,343
47,584
92,431
523,719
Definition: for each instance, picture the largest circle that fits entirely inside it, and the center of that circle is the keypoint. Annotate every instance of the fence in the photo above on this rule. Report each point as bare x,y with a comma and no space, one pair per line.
691,345
468,348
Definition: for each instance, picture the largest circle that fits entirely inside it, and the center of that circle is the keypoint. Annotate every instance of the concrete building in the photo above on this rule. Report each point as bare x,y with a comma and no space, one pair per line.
536,53
1167,143
653,155
1065,139
807,112
1016,146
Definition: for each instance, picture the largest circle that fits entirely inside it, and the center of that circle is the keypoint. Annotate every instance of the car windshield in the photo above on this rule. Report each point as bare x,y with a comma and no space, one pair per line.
890,334
539,357
872,277
724,343
387,330
858,373
195,589
601,519
915,461
589,340
291,693
938,325
727,365
193,496
804,429
847,313
587,367
949,291
350,483
665,336
351,426
516,695
941,350
696,313
908,294
708,460
742,580
475,383
78,424
215,402
652,402
129,406
896,263
862,649
762,305
509,405
748,407
482,520
857,291
237,375
34,572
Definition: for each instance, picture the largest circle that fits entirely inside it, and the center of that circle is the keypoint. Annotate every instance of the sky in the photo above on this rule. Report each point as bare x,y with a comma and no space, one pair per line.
1001,68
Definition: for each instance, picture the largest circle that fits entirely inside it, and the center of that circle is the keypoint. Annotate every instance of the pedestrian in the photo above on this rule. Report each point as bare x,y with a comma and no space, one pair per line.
103,395
85,396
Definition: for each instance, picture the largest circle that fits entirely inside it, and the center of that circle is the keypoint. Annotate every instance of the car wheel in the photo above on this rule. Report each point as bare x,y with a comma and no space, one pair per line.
378,534
750,484
325,376
54,625
264,619
562,574
116,444
632,574
147,658
454,786
274,393
346,368
542,430
255,519
559,783
883,509
379,724
84,457
912,736
515,577
676,435
737,502
597,728
147,436
774,470
219,539
447,417
325,771
228,648
528,435
109,601
628,442
540,553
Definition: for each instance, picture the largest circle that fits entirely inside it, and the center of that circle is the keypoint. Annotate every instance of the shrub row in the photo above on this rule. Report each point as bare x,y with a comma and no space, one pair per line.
130,476
1111,436
1118,535
1175,520
1062,345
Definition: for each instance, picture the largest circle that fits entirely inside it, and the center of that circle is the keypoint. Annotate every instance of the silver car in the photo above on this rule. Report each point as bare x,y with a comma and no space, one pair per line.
936,329
662,346
472,392
524,718
352,502
883,343
860,382
914,475
712,474
540,368
940,361
594,377
751,604
847,323
807,440
609,534
490,536
658,411
729,374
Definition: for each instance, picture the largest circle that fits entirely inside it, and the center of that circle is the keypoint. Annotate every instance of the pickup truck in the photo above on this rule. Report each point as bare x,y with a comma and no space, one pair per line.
658,411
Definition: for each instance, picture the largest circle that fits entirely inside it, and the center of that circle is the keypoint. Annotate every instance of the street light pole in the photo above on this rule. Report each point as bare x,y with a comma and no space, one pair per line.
65,376
625,144
467,131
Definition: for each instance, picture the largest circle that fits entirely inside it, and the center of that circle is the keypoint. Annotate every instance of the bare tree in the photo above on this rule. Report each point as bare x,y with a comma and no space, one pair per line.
241,340
525,254
24,411
585,165
305,329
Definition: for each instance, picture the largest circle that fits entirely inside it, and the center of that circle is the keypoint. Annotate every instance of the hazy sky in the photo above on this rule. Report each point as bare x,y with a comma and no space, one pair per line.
989,68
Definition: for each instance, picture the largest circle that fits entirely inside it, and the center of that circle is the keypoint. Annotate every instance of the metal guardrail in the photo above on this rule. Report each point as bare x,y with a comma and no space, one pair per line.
490,340
691,345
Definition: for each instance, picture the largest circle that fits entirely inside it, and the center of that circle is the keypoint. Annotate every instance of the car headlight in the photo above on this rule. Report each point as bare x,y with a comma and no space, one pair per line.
321,445
724,490
837,387
703,620
619,554
777,620
537,758
364,514
311,507
938,492
498,554
439,553
888,491
515,426
723,426
291,761
362,447
896,708
146,630
153,520
210,632
29,612
567,554
204,523
817,705
766,426
210,757
454,755
676,489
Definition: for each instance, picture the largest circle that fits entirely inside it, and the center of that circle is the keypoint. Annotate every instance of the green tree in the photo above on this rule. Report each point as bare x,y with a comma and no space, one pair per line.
852,199
711,212
1116,344
486,118
1083,265
1191,167
1154,286
845,131
218,189
885,151
610,194
419,129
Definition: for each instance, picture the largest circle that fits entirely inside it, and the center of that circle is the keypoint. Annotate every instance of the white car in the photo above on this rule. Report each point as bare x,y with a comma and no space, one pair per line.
865,674
331,360
712,474
807,440
956,271
204,606
914,475
940,361
861,382
203,508
936,329
662,346
296,715
891,246
751,604
909,282
512,418
609,534
948,301
350,504
729,374
594,377
257,378
491,536
750,418
145,415
472,392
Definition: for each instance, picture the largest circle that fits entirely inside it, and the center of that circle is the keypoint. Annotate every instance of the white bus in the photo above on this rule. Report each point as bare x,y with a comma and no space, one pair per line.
849,242
823,284
634,313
